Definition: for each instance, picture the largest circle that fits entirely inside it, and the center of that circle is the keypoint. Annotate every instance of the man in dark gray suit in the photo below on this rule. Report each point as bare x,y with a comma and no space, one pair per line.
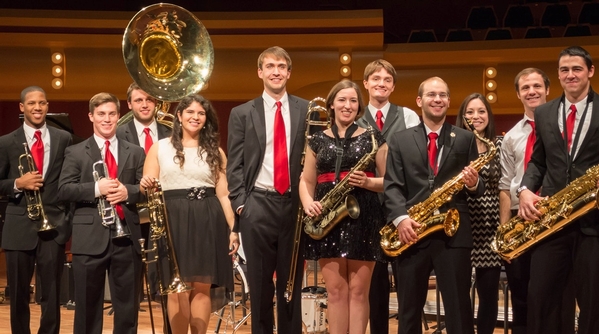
410,178
142,106
25,247
264,194
94,246
388,118
143,130
567,143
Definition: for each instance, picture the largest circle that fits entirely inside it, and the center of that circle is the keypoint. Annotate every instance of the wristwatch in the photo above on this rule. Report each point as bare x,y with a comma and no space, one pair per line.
520,190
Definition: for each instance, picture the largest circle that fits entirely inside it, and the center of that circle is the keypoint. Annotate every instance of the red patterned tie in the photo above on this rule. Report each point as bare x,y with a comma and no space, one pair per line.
530,142
432,151
149,140
112,173
379,120
570,124
281,167
37,151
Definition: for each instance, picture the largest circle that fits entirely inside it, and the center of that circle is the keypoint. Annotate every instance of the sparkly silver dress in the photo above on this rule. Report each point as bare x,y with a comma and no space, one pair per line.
356,239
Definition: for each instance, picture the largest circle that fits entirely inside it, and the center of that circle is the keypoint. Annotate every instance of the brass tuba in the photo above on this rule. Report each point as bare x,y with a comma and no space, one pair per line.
35,207
517,235
424,212
169,54
322,112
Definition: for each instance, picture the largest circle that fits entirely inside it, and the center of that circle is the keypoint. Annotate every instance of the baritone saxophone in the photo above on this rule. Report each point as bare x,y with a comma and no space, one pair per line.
517,235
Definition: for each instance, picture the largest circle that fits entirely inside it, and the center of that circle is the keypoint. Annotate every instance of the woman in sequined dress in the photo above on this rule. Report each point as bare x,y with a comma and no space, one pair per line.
484,214
347,254
190,167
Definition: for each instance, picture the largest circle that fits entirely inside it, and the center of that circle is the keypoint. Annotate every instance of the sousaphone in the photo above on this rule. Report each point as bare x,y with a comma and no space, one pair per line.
169,54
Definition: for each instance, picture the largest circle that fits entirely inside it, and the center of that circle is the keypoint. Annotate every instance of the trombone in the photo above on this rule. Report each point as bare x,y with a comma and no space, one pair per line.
35,207
105,209
313,107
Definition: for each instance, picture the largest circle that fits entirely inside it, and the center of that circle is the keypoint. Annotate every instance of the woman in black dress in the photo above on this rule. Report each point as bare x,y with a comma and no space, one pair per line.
347,254
190,167
484,214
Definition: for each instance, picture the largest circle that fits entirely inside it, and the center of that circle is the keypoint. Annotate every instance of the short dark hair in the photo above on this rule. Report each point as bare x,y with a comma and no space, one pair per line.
529,71
577,51
30,89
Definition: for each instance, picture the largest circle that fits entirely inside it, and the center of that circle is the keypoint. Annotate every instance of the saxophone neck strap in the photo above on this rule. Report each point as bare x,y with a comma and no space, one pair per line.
339,143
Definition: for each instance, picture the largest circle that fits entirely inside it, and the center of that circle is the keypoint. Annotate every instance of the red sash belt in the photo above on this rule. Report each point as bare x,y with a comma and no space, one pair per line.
330,177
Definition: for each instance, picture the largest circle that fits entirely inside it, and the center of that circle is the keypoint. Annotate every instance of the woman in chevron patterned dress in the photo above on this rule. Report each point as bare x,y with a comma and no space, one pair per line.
484,214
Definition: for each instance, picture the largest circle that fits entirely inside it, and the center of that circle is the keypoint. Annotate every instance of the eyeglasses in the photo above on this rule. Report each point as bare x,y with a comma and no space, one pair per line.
433,95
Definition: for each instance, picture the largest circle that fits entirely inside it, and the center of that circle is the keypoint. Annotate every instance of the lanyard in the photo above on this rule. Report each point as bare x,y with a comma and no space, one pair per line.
339,145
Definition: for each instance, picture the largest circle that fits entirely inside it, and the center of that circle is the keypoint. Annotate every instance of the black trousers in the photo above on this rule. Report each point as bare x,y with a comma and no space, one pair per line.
267,228
49,258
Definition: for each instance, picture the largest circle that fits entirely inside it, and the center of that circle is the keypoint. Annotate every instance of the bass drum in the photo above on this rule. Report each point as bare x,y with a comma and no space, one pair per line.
314,310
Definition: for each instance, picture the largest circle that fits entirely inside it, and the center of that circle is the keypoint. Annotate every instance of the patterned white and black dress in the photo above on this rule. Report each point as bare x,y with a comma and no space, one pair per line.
484,215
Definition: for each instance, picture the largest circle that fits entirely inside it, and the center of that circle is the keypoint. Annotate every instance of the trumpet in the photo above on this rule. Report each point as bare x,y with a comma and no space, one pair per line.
105,209
35,207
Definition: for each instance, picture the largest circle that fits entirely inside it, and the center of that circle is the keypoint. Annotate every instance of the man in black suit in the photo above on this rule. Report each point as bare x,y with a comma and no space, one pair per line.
142,106
94,246
25,247
266,216
143,130
411,177
567,143
388,118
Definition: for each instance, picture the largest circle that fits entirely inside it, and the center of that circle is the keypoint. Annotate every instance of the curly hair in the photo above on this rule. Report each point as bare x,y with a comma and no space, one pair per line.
208,141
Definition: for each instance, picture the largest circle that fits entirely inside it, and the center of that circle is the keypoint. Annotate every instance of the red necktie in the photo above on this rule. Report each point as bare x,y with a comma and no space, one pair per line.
149,140
530,142
570,124
37,151
379,119
281,167
432,151
112,173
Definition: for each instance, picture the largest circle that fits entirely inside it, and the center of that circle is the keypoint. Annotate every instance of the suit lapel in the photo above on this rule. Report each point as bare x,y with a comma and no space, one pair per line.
53,148
123,156
368,118
390,119
163,131
593,126
132,133
554,126
258,119
448,141
295,115
92,150
419,135
19,139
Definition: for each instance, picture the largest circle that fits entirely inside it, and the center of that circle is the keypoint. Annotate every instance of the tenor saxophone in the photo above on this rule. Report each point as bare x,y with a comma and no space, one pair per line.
338,203
517,235
424,212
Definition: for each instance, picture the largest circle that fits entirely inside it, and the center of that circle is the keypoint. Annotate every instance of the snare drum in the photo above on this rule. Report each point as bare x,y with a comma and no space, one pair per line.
314,306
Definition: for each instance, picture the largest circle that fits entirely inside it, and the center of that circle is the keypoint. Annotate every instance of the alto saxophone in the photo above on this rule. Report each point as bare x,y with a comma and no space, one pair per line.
517,235
424,212
337,203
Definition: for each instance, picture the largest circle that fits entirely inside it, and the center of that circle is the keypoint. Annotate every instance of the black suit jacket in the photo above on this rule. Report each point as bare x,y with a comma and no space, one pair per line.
247,142
548,166
128,132
20,232
406,179
77,185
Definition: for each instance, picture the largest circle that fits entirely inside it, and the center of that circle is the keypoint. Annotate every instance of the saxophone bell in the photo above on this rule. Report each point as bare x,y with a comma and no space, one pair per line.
33,198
